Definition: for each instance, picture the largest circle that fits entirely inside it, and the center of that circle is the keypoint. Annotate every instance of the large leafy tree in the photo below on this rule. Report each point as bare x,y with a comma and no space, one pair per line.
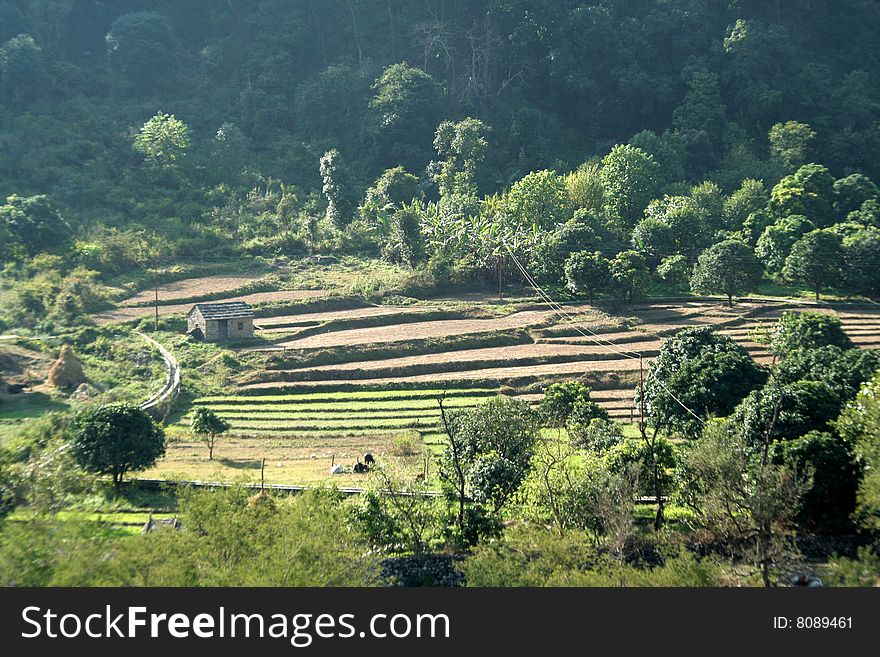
697,374
115,439
22,70
163,140
790,142
539,199
587,273
808,192
807,330
751,197
861,254
488,457
729,268
629,177
143,47
816,260
630,274
29,225
775,242
338,189
463,147
859,424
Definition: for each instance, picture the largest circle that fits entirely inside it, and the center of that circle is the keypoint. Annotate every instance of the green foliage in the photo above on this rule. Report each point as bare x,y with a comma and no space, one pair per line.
584,186
835,475
859,424
807,330
630,274
142,46
559,401
816,260
808,192
775,242
207,425
674,271
587,273
341,200
790,142
30,225
115,439
864,570
163,140
727,267
751,197
538,558
598,434
852,192
539,199
861,255
463,145
629,178
22,70
701,372
405,242
645,459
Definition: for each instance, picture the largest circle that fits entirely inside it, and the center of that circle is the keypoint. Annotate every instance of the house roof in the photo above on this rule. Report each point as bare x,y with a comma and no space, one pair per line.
230,310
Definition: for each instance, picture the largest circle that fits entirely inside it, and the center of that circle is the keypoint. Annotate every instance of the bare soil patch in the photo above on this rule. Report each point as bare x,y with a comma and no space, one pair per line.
191,287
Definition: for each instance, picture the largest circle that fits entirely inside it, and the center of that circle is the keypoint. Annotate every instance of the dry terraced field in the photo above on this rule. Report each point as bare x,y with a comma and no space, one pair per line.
344,382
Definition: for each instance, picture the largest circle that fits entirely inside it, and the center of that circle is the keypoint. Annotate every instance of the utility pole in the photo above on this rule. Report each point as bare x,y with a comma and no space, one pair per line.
500,277
642,397
156,290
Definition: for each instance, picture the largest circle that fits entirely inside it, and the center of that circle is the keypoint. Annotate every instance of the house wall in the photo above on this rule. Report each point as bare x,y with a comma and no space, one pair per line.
211,328
195,320
246,330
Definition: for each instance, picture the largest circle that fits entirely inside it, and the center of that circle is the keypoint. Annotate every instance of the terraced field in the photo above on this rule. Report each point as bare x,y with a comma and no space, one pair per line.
341,383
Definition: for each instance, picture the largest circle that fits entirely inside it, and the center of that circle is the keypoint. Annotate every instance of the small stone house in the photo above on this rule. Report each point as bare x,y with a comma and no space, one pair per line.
216,322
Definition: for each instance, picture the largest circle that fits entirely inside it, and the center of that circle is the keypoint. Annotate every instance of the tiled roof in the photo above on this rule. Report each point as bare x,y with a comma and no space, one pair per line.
230,310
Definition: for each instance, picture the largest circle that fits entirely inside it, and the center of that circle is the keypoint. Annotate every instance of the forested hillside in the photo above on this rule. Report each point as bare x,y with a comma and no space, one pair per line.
265,88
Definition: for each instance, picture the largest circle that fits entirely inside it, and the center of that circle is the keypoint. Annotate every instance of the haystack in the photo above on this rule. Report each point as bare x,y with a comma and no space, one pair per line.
262,501
67,371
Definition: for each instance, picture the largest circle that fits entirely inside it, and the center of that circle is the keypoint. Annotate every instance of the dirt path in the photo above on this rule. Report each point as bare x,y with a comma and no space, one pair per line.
126,314
191,287
269,323
421,330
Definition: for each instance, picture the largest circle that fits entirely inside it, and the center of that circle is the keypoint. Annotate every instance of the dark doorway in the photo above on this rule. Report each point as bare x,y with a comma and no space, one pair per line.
223,328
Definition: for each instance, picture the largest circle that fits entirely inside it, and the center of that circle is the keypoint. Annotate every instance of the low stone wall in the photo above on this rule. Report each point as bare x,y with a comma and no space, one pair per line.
159,405
426,570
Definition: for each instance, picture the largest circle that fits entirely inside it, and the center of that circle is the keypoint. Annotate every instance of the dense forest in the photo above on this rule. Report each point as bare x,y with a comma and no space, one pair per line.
141,129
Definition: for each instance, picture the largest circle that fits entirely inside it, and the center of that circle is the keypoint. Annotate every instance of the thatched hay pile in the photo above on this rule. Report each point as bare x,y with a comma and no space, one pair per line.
67,371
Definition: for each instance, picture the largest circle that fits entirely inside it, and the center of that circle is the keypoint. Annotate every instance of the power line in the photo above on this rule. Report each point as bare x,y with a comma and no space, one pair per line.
590,335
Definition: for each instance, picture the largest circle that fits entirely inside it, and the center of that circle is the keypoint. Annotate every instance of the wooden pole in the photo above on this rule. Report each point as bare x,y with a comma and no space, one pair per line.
641,395
263,475
500,277
156,289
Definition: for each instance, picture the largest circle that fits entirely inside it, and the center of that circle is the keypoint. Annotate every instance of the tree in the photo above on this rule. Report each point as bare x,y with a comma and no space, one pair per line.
673,270
815,260
29,225
775,242
808,192
728,267
115,439
163,140
406,106
405,241
587,273
852,192
207,426
629,177
834,474
861,255
488,457
22,70
630,274
585,191
559,401
143,47
751,197
463,145
743,496
789,143
859,425
539,199
697,374
394,188
337,189
807,331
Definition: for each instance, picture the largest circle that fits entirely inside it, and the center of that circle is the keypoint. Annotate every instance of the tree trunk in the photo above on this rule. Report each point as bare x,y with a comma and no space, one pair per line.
817,294
730,301
211,452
